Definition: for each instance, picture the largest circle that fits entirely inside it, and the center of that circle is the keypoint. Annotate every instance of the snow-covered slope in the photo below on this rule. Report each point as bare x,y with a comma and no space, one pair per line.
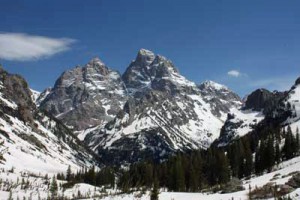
30,140
42,96
221,99
239,123
35,95
292,102
256,107
38,187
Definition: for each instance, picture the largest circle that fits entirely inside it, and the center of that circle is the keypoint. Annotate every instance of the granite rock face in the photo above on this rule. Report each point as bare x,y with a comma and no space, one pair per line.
263,100
86,96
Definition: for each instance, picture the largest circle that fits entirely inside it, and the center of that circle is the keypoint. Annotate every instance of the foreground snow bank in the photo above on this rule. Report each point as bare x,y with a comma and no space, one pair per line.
37,187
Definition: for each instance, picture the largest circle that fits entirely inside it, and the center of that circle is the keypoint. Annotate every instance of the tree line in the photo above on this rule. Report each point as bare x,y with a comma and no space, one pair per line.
104,177
193,171
254,153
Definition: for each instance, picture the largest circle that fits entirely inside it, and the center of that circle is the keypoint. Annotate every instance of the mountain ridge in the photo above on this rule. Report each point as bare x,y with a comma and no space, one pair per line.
31,139
162,111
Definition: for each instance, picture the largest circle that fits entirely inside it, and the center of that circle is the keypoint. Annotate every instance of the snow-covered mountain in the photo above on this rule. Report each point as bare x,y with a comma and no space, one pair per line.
152,110
30,139
221,99
291,106
164,113
40,96
261,107
86,96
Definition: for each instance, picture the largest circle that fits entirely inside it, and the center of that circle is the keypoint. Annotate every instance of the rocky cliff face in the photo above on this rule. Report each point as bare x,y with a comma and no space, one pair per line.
154,72
263,100
86,96
30,139
287,111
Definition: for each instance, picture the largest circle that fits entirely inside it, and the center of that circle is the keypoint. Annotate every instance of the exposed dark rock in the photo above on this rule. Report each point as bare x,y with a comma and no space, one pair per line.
294,181
86,96
263,100
297,81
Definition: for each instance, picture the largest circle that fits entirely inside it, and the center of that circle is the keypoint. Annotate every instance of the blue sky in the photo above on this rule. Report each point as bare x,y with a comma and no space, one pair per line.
243,44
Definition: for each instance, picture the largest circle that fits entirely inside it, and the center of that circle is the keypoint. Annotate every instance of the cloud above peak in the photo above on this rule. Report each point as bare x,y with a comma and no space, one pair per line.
234,73
25,47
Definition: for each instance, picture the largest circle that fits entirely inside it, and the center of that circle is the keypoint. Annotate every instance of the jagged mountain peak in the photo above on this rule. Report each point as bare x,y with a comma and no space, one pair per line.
297,82
145,56
258,99
86,96
96,61
95,65
150,71
209,84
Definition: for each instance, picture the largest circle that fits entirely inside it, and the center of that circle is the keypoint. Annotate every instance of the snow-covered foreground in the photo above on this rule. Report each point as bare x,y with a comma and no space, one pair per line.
38,187
22,185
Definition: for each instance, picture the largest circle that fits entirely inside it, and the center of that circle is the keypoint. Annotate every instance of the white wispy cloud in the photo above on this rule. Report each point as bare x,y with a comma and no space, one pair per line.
234,73
25,47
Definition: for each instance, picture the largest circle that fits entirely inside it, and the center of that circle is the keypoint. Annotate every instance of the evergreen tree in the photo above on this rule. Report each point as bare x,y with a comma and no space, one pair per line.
155,190
277,153
269,154
177,176
90,176
197,161
69,174
258,159
147,171
192,179
124,182
288,147
248,158
53,188
297,141
10,195
234,158
222,167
